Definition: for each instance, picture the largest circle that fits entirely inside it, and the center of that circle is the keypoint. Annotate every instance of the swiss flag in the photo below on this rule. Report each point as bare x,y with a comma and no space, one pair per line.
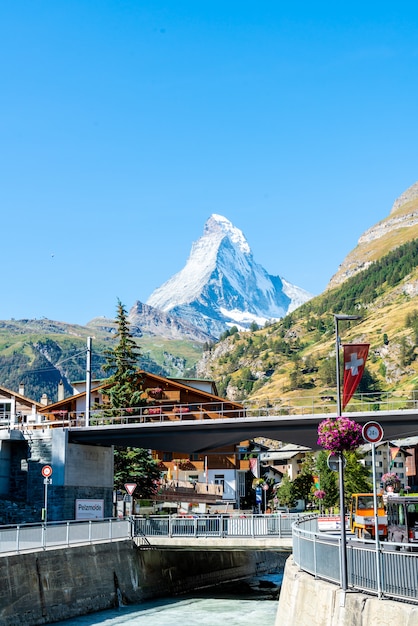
355,356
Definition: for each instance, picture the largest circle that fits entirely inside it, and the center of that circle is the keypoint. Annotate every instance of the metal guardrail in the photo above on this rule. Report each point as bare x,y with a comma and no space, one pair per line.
220,526
318,553
303,405
32,537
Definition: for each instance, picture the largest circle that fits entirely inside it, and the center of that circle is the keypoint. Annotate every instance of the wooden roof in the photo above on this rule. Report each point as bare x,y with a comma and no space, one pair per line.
8,393
149,381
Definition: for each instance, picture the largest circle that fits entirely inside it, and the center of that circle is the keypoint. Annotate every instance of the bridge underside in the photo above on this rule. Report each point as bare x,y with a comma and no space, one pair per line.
203,436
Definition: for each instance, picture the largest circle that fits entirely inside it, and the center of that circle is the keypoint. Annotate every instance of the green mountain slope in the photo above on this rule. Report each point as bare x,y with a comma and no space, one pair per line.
294,359
40,353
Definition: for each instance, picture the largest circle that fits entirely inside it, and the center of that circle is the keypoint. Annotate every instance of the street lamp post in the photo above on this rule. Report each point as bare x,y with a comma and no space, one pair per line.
343,538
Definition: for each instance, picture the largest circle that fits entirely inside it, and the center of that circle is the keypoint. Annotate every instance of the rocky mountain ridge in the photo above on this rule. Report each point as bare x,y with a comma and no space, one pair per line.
221,285
400,226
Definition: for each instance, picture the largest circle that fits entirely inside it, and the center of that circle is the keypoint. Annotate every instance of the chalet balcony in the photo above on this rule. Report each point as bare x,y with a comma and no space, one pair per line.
178,490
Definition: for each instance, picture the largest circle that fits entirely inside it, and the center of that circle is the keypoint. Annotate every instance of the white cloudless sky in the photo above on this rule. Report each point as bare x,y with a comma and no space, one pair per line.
124,125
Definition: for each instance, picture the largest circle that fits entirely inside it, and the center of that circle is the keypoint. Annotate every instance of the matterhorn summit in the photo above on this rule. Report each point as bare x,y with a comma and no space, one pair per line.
221,285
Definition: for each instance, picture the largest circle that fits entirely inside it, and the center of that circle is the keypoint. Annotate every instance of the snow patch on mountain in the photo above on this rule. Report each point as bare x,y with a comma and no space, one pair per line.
222,284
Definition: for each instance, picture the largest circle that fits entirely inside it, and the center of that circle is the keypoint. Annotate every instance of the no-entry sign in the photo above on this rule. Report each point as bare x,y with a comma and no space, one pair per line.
46,471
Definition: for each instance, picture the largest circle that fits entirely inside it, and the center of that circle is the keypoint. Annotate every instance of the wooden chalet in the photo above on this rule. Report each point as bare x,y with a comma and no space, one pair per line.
210,478
16,408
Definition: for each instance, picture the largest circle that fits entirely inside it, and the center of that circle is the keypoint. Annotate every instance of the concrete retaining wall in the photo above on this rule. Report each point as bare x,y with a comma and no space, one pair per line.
44,587
305,601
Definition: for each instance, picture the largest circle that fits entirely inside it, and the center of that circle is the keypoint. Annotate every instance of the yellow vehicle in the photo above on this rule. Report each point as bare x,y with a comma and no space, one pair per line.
362,521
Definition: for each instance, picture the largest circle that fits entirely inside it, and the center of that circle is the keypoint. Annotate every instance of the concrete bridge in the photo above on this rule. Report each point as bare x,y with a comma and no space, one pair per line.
196,435
80,451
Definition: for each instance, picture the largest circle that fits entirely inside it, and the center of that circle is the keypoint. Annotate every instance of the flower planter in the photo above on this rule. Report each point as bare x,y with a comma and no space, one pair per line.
339,434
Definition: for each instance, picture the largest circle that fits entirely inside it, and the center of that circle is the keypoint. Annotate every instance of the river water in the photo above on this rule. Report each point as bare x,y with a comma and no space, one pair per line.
210,609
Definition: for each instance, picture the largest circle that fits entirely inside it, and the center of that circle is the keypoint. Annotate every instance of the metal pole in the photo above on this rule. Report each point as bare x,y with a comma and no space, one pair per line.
45,516
88,381
376,523
343,538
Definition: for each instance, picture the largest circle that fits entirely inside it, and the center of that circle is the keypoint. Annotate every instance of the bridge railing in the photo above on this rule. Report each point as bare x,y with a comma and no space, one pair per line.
319,553
215,526
32,537
303,405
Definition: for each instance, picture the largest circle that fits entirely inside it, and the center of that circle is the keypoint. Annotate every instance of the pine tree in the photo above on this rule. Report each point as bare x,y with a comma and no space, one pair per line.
131,464
122,362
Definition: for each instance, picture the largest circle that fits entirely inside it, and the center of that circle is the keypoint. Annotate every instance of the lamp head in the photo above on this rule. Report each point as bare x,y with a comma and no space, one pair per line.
341,318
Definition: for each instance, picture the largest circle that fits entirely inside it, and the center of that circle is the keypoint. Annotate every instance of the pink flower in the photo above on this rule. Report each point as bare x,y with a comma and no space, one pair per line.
339,433
390,478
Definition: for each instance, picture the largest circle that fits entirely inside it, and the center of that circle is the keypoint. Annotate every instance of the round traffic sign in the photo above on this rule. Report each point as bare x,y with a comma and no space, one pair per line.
46,471
333,462
372,432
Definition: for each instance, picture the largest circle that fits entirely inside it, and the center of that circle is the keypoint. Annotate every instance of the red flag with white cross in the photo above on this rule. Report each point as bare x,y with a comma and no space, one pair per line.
355,356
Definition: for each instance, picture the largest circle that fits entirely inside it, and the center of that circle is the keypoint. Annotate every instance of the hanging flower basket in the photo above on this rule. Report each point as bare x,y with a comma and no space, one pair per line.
155,392
391,480
338,434
319,493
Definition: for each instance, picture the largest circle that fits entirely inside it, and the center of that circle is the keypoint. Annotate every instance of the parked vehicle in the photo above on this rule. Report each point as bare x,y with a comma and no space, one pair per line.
362,516
402,514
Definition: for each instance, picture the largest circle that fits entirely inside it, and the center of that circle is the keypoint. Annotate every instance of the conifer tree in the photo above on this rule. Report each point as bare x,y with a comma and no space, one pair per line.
122,362
131,464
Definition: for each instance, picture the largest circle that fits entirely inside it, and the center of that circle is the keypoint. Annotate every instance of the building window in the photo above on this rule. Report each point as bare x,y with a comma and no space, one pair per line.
5,409
220,479
167,456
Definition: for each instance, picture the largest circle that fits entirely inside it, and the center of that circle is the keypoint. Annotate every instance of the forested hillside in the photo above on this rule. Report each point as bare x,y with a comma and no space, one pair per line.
295,357
40,353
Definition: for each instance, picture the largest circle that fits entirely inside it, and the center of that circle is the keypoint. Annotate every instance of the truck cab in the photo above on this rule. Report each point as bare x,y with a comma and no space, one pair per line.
362,520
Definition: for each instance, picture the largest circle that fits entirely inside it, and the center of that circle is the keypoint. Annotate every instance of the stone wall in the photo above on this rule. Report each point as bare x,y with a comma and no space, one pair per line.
306,601
79,472
48,586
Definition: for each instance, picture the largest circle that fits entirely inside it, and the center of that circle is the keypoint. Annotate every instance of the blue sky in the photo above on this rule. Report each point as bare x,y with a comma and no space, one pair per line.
125,124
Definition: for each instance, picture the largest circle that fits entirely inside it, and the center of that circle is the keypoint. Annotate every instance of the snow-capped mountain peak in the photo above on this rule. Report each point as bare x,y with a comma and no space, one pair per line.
221,284
218,222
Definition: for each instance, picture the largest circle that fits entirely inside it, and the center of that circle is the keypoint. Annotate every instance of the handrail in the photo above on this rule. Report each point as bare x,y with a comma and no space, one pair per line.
64,534
303,405
216,526
318,554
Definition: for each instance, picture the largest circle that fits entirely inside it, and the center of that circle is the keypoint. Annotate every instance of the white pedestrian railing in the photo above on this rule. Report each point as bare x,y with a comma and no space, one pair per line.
304,405
318,553
31,537
224,526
